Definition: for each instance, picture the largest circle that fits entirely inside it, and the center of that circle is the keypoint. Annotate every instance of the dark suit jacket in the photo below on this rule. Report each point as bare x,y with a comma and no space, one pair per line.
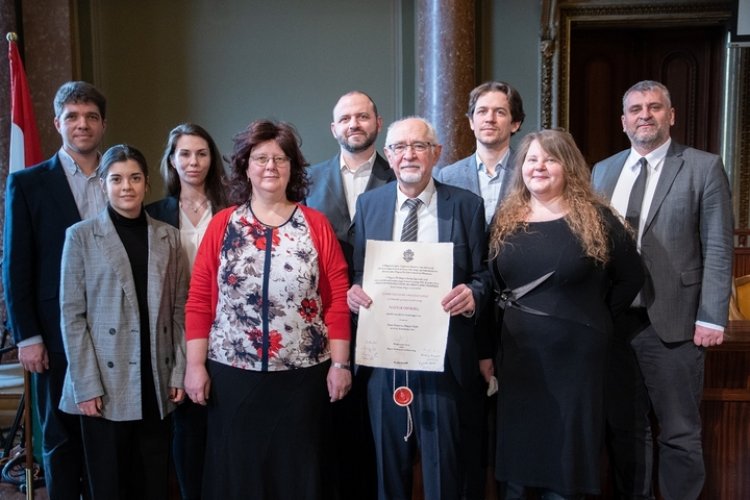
464,174
39,207
686,245
166,210
326,194
461,221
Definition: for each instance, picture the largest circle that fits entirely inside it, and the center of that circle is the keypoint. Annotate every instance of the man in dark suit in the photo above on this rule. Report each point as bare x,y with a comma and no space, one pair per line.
41,203
495,114
678,200
443,214
334,188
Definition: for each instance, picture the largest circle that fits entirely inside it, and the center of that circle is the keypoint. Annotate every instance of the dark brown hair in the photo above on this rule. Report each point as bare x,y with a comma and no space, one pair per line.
514,99
215,178
255,134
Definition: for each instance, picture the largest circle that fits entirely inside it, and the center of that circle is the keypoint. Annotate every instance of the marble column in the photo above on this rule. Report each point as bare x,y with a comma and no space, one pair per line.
446,71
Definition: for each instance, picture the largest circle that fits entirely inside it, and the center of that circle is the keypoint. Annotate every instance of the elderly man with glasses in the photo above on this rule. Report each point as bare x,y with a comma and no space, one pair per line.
418,208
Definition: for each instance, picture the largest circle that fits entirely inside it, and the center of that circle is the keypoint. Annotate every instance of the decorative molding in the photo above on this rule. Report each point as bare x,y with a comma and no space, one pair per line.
558,20
742,142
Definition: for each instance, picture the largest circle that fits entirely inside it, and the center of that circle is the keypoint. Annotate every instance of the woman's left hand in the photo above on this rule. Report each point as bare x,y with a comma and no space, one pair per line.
176,395
339,382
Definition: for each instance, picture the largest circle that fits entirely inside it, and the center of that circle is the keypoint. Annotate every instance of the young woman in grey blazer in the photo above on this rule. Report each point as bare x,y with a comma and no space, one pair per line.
122,297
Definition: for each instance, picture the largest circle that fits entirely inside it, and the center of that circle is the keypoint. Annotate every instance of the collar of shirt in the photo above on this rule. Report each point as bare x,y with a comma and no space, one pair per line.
360,170
501,165
425,196
70,165
654,158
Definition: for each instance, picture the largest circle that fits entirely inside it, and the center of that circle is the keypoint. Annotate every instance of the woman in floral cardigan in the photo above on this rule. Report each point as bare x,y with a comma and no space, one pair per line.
267,325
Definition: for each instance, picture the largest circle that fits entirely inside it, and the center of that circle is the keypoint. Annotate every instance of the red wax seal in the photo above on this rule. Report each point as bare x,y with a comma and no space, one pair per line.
403,396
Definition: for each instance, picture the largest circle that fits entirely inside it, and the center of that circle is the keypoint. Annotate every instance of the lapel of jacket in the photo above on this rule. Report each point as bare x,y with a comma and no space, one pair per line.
113,251
158,259
56,184
509,168
672,165
444,212
381,173
381,227
611,173
336,193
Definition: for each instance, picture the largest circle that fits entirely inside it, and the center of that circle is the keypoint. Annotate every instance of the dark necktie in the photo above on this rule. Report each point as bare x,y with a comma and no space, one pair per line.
409,231
635,202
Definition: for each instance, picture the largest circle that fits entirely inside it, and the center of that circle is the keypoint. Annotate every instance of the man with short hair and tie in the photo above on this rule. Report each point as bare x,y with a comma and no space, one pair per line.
417,208
677,199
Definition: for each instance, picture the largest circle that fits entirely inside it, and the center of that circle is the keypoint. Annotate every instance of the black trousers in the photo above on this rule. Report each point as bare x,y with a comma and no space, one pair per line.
127,460
349,451
62,449
189,447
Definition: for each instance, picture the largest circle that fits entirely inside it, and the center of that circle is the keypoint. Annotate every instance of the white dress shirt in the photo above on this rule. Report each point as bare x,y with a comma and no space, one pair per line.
427,225
355,181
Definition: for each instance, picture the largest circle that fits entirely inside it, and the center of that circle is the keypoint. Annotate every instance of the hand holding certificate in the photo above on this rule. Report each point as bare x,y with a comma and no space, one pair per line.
406,326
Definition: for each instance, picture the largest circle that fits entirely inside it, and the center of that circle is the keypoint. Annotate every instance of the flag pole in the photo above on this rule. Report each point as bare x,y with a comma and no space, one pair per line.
12,38
27,431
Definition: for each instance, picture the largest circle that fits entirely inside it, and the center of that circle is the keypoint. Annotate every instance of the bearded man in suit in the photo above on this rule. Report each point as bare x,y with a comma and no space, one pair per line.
335,185
683,220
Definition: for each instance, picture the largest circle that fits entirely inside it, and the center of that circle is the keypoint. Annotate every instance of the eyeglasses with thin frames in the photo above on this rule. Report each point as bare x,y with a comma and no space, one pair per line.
418,147
279,161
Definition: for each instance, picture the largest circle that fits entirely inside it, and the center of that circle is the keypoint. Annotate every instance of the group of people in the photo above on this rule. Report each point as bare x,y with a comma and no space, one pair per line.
217,325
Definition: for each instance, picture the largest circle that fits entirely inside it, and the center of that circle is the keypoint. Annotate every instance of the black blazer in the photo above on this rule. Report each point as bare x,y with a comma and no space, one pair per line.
461,221
326,194
166,210
39,207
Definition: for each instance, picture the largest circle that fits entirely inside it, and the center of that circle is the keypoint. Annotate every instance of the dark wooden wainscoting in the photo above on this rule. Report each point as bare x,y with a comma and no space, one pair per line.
726,416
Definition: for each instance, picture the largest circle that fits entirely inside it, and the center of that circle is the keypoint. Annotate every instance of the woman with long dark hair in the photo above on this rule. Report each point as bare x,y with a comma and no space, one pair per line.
193,173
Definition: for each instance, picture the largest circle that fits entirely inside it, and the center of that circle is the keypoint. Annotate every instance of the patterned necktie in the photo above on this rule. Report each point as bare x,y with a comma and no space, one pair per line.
409,231
635,202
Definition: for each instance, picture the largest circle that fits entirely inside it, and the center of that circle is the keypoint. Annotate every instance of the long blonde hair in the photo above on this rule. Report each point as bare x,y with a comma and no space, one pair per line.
584,216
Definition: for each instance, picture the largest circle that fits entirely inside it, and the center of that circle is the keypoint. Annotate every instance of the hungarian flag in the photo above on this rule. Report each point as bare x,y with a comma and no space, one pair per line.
25,149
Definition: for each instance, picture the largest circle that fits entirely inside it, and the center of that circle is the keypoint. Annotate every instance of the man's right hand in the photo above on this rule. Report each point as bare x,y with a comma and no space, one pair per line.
34,358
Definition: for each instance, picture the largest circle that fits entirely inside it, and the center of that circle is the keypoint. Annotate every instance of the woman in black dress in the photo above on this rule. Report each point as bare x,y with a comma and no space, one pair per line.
564,265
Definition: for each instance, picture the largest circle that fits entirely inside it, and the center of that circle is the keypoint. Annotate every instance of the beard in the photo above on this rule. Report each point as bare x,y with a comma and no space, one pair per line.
357,148
410,177
648,139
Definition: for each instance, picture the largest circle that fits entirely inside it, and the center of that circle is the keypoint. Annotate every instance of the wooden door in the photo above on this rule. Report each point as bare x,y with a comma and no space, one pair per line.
606,61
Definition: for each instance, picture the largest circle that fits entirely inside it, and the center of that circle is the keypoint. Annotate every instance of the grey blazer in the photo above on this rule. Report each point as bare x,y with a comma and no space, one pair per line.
463,174
686,244
100,323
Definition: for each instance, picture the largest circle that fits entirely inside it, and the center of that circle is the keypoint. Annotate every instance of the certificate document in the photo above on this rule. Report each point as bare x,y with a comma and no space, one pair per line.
405,327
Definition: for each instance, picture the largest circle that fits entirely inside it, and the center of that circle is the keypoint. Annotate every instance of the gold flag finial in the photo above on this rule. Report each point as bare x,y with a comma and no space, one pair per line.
11,36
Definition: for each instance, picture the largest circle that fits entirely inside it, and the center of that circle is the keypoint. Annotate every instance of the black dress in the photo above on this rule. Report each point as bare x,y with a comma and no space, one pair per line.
553,353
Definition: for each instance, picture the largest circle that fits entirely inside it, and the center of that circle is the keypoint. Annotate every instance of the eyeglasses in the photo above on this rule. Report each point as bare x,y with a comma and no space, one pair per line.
417,147
262,160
